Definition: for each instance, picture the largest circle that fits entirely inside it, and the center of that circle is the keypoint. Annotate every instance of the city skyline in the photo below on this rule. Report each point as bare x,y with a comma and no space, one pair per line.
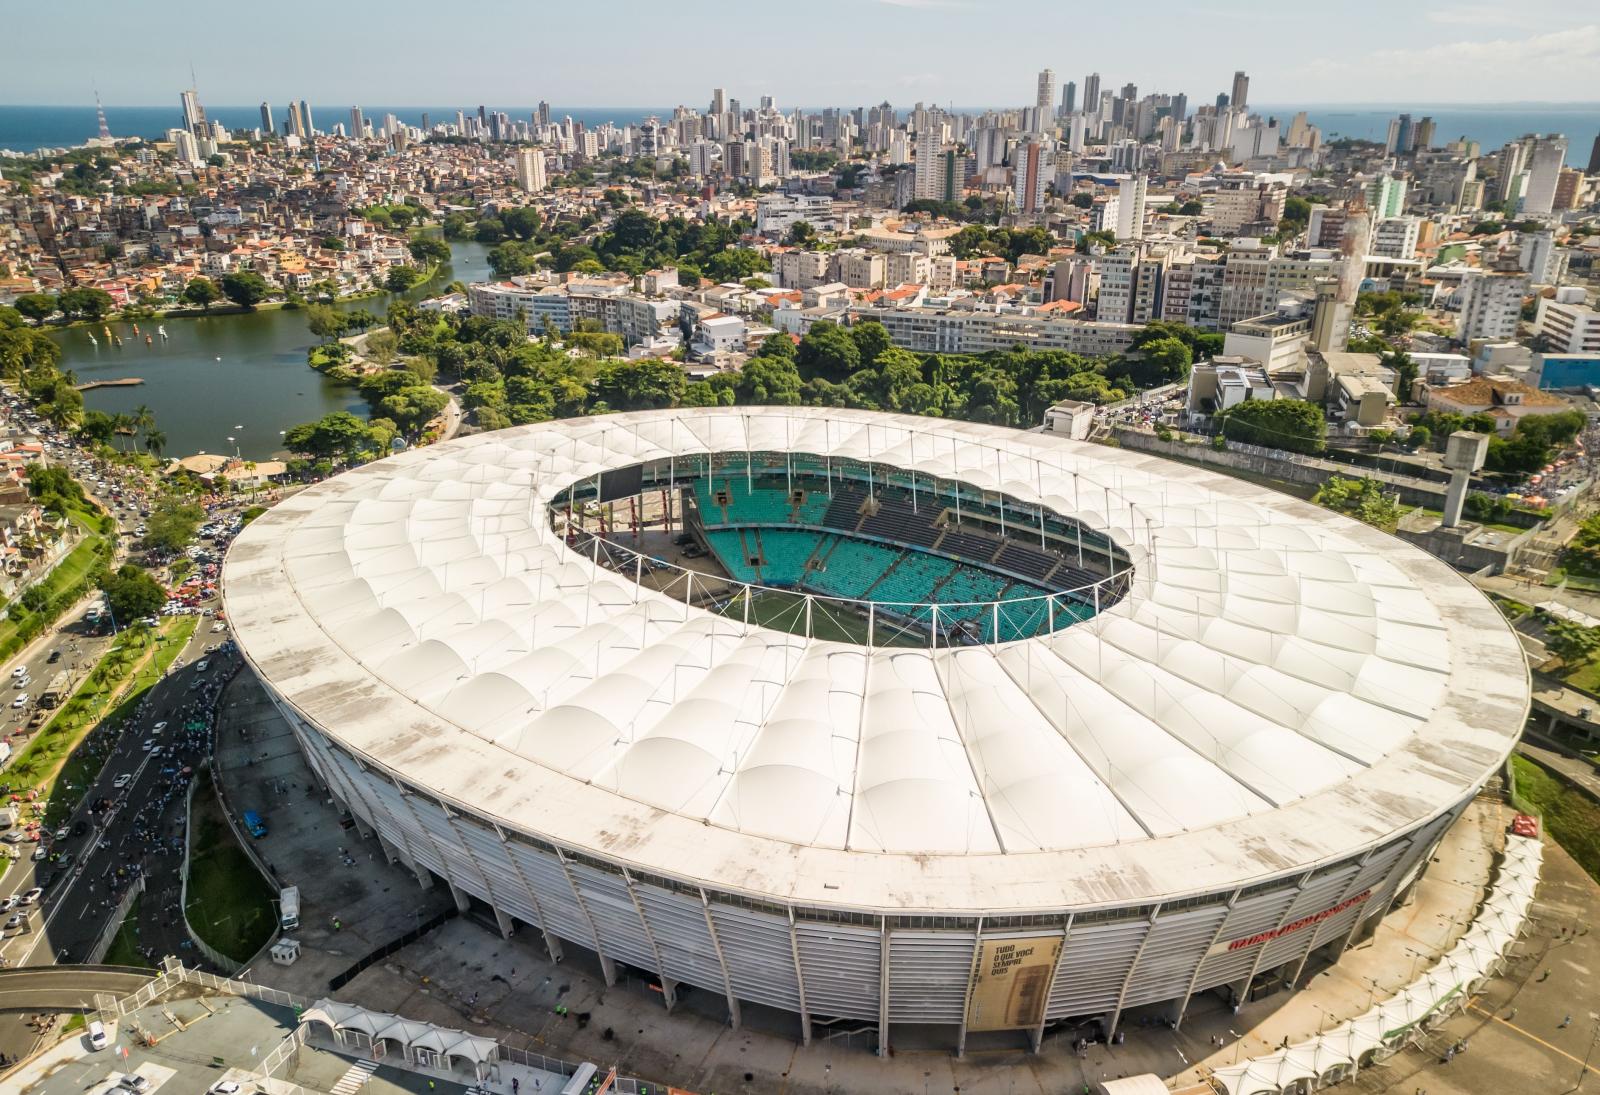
900,50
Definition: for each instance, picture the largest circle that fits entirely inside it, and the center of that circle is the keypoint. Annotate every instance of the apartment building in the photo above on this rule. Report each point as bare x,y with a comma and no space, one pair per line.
961,331
1395,237
1255,279
1568,326
1491,304
777,213
799,269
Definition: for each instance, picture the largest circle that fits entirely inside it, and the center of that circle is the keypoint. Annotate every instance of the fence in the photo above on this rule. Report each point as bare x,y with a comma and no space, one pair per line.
339,980
102,945
214,956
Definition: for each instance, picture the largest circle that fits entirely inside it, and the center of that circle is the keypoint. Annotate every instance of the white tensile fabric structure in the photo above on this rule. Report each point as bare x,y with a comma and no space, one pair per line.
1436,993
410,1034
1280,686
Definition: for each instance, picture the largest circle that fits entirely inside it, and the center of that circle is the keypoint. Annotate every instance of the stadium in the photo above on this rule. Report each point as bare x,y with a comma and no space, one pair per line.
879,721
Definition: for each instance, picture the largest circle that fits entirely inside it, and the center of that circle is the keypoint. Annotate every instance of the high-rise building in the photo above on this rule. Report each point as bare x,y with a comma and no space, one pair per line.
719,101
1424,134
1512,161
267,125
928,181
185,147
1035,169
544,113
1091,91
1069,101
425,122
1241,91
194,115
358,124
1130,208
1544,169
305,119
1594,157
1491,304
1044,99
530,170
297,125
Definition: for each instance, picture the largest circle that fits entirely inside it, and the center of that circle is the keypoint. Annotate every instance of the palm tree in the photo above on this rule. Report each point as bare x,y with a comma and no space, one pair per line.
143,418
154,442
124,425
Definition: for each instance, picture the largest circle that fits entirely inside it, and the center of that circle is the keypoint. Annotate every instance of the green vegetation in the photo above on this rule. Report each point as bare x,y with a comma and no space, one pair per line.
43,602
132,594
46,758
1581,556
1362,499
1570,816
172,524
77,1022
81,768
1537,439
635,243
245,288
1290,424
229,902
125,945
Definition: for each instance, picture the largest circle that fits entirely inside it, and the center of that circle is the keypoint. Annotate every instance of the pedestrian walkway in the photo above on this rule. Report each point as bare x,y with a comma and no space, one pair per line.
355,1078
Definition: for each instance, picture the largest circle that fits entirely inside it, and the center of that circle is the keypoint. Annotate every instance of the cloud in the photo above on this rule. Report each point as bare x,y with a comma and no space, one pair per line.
1475,15
1572,46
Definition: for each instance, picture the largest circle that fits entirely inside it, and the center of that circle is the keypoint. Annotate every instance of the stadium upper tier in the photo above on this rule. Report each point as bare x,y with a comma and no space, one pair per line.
1279,687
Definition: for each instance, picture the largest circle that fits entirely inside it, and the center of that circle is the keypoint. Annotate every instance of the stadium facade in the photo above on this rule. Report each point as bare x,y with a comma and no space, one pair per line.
968,727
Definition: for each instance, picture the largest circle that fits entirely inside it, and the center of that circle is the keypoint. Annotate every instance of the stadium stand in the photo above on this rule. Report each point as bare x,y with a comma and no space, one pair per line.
729,548
851,568
786,552
913,579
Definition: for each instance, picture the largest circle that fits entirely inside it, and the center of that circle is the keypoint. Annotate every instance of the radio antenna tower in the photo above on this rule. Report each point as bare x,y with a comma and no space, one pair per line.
100,115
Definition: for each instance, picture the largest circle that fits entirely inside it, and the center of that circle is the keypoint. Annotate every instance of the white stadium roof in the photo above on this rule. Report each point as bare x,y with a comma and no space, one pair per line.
1280,687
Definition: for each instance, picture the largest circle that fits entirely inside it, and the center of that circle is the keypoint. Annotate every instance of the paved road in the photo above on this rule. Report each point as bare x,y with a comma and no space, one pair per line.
1580,772
63,987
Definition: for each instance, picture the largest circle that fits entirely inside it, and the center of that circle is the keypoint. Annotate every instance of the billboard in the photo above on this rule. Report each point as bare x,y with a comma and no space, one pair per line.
1011,981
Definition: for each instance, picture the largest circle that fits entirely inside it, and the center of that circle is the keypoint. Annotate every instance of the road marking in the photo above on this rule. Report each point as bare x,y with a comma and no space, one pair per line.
1535,1038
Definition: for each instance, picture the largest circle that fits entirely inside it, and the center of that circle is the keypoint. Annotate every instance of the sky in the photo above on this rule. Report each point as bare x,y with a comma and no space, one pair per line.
805,53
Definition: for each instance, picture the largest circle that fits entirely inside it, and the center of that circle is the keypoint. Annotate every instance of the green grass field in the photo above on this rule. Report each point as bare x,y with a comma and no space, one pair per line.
1572,817
125,947
230,905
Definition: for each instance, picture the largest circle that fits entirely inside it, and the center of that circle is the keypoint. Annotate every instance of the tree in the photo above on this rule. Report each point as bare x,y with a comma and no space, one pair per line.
245,288
769,379
801,234
639,385
1290,424
871,340
202,291
1160,361
1405,371
828,352
426,249
172,524
523,223
339,434
1191,208
1573,643
381,347
84,302
1362,499
735,264
132,593
155,441
325,322
413,407
401,278
37,306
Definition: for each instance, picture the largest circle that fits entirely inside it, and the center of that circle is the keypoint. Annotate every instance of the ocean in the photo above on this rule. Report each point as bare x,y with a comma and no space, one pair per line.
26,128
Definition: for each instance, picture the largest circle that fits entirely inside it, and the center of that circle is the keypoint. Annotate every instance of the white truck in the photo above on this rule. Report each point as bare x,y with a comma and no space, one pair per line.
289,908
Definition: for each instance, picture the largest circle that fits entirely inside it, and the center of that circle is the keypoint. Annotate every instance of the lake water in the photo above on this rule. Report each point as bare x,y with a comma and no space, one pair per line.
242,376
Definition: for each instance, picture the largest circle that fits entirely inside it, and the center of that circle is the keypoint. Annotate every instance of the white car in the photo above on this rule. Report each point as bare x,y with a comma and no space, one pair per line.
19,683
201,667
97,1035
28,897
122,781
149,744
223,1087
20,671
158,727
16,920
135,1083
20,702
